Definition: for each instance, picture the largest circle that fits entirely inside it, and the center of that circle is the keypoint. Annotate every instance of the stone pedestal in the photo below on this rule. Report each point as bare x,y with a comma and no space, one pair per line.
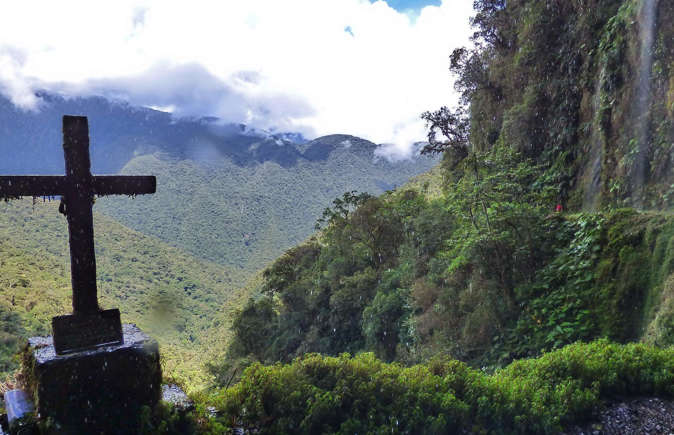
100,390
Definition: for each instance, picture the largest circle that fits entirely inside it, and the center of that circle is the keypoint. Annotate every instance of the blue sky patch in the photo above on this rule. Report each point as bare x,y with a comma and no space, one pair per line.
410,5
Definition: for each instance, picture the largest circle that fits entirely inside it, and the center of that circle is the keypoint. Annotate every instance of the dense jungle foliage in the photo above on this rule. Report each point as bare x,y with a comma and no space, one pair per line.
408,277
519,244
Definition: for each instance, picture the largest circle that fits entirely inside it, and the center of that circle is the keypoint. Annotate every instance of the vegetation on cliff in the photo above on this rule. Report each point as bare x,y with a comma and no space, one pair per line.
409,278
526,247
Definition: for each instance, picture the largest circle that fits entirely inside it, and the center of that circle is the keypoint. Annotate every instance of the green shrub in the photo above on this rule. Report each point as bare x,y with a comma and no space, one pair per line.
319,394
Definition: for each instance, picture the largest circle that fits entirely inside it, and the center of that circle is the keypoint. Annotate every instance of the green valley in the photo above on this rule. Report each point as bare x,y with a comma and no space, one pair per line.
245,216
177,263
175,297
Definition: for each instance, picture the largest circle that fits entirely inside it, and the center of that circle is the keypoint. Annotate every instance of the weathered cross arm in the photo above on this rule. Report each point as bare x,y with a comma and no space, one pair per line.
32,185
124,185
41,185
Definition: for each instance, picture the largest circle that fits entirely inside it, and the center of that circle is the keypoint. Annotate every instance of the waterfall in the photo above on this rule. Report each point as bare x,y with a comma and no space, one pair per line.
592,177
643,98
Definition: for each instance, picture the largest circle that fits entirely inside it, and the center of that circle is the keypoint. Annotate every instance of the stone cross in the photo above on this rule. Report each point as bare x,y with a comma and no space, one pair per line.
88,326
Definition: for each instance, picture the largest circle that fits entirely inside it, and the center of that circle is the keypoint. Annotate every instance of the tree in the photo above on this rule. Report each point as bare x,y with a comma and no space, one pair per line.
383,321
341,207
491,24
252,326
448,131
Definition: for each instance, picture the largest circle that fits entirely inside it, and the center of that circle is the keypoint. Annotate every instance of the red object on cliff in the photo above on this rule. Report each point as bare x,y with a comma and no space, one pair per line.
559,208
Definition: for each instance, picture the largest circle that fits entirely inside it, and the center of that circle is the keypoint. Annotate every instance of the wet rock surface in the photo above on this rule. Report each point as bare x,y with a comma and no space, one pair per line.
643,415
43,347
82,392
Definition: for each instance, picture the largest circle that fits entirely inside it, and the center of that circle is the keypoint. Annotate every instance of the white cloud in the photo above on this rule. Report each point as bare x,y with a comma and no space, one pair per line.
285,65
12,82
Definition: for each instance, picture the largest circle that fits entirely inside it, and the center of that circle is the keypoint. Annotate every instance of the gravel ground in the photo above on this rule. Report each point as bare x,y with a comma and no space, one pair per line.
643,415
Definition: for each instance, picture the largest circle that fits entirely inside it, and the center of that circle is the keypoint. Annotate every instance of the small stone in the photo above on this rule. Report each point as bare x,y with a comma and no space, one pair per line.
212,411
174,395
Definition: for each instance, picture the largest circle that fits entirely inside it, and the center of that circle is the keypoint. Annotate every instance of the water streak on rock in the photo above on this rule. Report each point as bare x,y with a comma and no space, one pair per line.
647,24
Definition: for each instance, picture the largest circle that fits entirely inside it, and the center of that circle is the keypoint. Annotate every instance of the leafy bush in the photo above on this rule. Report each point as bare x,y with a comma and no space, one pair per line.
319,394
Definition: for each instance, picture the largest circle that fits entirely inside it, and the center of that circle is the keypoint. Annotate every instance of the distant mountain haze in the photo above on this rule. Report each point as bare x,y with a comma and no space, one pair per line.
226,193
119,132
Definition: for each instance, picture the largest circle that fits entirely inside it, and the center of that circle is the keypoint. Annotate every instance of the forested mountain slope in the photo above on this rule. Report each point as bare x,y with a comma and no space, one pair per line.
245,216
226,193
487,270
408,277
566,119
171,295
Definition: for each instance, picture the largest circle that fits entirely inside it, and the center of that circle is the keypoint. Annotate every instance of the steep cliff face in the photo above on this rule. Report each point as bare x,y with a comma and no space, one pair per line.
631,132
585,87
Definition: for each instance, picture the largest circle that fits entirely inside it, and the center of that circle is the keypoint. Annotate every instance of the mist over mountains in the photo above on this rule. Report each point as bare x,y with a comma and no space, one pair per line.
119,132
226,192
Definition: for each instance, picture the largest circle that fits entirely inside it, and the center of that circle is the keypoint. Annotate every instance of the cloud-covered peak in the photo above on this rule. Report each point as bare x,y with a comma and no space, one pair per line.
278,66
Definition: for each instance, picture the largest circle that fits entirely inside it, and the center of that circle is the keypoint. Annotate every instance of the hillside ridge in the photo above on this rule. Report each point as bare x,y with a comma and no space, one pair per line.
173,296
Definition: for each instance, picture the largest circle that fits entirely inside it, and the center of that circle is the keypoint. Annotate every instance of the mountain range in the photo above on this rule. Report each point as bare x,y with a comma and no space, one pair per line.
226,192
229,200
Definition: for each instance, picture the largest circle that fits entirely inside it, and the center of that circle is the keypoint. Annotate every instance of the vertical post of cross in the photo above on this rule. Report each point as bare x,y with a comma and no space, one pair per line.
78,201
88,326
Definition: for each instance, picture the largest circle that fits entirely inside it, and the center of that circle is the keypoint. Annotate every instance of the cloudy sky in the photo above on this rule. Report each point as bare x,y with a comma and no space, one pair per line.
314,66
